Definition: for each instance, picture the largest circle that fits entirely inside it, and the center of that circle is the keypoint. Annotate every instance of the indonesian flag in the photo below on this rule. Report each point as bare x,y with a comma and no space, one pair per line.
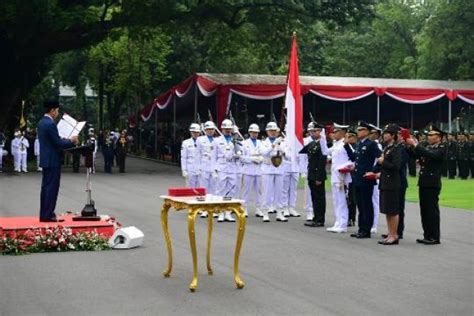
293,105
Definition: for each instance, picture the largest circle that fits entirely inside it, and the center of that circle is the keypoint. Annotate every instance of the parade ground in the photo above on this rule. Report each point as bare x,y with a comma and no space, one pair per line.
287,268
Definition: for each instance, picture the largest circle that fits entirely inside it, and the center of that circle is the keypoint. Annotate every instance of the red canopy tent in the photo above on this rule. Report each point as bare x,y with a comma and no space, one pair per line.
343,89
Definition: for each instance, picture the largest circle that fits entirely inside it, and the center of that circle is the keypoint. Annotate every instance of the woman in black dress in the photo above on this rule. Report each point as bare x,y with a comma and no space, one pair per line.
388,168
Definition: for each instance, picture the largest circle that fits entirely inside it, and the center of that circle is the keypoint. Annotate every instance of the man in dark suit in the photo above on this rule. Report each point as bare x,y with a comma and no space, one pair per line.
431,159
50,160
316,174
451,152
364,157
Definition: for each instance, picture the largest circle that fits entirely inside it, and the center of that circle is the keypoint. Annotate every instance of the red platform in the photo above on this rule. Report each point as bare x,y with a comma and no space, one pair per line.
22,224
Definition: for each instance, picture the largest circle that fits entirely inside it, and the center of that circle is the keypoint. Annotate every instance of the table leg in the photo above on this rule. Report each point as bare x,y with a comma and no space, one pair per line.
209,238
240,238
166,232
192,239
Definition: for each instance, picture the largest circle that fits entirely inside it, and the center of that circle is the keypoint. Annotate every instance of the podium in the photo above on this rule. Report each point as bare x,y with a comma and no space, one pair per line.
89,212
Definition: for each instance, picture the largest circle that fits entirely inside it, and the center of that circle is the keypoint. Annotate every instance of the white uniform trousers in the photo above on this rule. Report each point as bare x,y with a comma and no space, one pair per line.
272,188
252,183
339,201
238,185
206,180
1,158
290,184
192,181
226,184
376,203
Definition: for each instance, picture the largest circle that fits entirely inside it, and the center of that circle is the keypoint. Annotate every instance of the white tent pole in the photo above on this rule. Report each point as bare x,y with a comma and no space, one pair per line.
449,116
174,116
378,111
195,102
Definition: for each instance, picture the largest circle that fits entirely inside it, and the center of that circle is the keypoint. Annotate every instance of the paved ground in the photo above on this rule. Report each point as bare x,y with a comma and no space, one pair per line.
287,268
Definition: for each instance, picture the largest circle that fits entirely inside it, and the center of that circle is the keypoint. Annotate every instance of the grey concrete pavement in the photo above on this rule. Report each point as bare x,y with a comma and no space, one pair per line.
287,268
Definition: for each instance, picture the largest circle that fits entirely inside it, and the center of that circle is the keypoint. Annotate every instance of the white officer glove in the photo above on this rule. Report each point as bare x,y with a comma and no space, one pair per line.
185,174
215,175
198,172
238,155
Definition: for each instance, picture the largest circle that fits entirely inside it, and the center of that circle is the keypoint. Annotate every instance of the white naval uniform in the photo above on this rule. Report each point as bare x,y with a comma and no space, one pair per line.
272,178
252,172
376,199
339,181
190,162
291,171
226,158
205,149
304,170
20,153
37,154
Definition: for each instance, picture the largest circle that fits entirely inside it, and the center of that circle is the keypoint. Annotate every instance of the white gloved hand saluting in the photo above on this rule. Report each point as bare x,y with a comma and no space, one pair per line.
185,174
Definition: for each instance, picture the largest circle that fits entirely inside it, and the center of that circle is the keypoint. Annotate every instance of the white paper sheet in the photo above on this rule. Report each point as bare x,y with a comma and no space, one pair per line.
68,126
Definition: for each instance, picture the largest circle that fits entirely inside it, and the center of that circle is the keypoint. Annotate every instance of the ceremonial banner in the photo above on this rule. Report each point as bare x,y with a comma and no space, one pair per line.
293,104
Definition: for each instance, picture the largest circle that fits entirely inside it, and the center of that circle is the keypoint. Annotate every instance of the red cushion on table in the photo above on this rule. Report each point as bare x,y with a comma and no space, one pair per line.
186,191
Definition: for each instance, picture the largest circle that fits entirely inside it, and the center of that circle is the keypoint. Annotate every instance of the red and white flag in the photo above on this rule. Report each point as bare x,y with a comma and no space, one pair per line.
293,104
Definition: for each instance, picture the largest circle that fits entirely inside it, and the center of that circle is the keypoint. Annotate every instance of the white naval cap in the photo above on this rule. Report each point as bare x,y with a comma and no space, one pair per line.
209,125
194,127
227,124
271,126
254,128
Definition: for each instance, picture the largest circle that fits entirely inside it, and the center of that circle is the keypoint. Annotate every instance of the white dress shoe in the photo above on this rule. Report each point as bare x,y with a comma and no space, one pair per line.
228,217
331,229
204,214
258,213
280,217
221,217
339,230
215,215
286,212
309,217
265,218
294,213
373,230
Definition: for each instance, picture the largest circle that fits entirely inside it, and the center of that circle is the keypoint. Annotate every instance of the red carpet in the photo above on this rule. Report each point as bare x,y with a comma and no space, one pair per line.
22,224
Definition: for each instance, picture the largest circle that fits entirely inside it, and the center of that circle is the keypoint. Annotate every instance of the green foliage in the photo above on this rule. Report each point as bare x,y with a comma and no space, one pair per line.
446,43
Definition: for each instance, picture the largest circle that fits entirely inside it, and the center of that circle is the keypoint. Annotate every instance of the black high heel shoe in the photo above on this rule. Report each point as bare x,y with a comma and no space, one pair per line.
388,243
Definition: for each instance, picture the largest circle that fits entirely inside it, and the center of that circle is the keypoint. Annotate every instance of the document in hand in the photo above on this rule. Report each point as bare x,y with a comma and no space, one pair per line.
68,127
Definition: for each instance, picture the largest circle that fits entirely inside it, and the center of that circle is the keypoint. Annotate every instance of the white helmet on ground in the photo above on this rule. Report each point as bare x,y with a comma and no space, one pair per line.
194,127
209,125
271,126
227,124
254,128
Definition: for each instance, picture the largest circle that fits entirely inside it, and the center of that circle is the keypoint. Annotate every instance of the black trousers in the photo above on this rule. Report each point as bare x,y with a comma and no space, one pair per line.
412,167
452,168
76,161
49,192
108,162
351,202
429,210
318,197
463,166
401,215
471,166
365,207
444,168
121,161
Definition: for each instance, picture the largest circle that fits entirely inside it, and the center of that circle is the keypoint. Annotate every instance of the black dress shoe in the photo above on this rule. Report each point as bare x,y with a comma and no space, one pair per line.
52,220
314,224
428,241
388,243
361,235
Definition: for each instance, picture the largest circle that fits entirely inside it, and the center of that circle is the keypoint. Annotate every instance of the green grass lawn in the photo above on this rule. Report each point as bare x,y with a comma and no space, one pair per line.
455,193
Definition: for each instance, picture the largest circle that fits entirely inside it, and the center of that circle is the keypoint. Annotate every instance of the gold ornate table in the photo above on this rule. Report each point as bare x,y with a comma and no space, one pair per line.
212,205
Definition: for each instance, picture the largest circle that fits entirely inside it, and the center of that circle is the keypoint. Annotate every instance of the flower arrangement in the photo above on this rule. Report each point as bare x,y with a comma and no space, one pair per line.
57,238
